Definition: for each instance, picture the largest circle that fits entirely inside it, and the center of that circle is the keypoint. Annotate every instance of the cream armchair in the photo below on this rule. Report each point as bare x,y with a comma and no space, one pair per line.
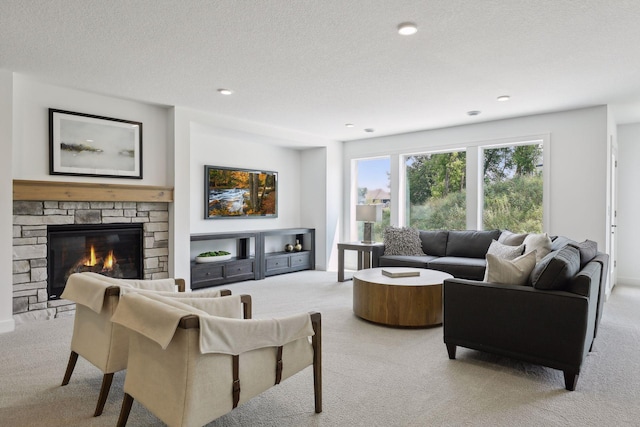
95,338
198,363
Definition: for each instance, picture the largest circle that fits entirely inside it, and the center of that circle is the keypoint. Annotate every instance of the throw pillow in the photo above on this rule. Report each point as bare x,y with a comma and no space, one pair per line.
402,241
588,251
511,239
510,272
541,243
505,251
556,269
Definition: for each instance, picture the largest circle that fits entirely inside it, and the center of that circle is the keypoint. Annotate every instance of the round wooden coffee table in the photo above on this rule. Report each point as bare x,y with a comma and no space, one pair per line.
399,301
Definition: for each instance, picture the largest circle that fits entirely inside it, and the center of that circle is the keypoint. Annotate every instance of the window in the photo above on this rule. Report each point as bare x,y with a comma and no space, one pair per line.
513,188
436,191
372,184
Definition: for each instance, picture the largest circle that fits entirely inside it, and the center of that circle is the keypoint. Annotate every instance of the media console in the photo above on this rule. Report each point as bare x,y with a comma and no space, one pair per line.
245,266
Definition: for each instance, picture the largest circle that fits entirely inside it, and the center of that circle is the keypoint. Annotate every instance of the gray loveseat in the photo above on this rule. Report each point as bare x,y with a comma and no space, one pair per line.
551,321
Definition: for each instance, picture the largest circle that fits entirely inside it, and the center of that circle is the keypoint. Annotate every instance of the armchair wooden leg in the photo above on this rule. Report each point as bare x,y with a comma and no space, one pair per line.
570,380
124,411
104,392
73,358
451,349
316,341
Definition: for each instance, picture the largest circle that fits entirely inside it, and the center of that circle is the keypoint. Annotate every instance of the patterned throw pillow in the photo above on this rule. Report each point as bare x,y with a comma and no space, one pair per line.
510,272
505,251
402,241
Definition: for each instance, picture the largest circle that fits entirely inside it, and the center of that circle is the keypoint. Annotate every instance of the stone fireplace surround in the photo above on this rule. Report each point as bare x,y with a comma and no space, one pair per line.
30,221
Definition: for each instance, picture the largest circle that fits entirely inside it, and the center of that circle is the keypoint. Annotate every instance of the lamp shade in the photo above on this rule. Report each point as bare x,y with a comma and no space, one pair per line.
369,213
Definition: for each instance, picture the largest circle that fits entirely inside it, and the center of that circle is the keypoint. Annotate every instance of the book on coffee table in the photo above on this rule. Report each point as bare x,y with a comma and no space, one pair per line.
400,272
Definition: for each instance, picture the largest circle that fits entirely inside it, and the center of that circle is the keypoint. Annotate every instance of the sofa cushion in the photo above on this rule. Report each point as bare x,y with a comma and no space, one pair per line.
505,251
470,243
405,261
402,241
556,269
559,242
511,239
588,250
434,242
541,243
460,267
510,272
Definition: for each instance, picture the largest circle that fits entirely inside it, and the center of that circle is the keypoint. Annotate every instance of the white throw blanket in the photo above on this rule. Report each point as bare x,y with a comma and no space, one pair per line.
88,289
234,336
157,317
201,294
149,317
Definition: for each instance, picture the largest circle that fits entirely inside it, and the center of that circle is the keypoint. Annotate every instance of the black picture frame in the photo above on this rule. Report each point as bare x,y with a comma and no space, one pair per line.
240,193
88,145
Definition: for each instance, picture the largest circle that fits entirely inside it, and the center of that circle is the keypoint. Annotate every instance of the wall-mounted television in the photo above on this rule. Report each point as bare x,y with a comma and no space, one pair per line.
240,193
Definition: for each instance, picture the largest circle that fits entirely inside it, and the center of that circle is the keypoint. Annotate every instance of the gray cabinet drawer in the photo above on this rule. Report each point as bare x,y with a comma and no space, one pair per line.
239,268
207,272
300,260
275,263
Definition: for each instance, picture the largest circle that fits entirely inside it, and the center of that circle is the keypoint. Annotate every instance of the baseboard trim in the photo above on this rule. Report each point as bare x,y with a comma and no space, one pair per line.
8,325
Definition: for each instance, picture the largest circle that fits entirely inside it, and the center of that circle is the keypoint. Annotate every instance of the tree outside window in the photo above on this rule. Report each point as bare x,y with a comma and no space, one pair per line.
513,188
436,191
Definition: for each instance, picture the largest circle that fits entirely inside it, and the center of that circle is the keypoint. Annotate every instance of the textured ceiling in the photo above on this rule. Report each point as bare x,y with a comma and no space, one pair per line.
312,66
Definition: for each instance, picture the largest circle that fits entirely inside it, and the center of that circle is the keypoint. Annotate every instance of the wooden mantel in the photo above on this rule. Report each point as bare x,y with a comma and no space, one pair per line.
82,191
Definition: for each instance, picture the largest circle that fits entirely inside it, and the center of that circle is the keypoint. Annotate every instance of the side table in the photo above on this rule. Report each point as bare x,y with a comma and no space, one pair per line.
368,254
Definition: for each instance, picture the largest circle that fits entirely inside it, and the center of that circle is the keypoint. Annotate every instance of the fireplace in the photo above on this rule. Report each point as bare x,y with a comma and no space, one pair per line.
114,250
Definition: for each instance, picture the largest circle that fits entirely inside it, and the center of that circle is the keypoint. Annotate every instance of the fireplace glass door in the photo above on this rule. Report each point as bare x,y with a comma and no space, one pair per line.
112,250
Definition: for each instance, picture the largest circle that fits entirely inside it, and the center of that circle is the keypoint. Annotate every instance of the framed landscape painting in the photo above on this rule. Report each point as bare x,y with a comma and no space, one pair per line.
88,145
240,193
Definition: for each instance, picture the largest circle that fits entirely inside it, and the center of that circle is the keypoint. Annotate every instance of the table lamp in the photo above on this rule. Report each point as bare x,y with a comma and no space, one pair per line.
369,214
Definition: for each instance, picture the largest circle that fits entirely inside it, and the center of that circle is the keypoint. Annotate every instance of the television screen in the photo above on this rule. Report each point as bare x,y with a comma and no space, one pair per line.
240,193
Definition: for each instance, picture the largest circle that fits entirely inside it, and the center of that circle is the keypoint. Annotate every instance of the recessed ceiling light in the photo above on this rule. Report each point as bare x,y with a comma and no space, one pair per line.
503,98
473,112
407,28
369,130
225,91
350,125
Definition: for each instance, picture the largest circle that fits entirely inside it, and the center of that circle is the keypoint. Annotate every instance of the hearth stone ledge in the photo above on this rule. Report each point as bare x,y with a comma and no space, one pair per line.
30,221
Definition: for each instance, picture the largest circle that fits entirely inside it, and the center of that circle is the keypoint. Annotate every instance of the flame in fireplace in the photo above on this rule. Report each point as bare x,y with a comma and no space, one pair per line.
109,261
92,258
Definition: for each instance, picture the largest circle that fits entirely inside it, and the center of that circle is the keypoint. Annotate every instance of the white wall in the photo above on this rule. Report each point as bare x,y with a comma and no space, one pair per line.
208,147
628,230
578,162
313,166
6,203
203,139
320,200
24,141
32,101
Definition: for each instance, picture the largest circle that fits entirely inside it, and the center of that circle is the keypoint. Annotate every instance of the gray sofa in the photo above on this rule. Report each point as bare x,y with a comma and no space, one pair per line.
551,322
459,253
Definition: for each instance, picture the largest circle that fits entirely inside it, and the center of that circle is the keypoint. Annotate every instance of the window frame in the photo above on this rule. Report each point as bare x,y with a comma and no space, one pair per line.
475,186
514,142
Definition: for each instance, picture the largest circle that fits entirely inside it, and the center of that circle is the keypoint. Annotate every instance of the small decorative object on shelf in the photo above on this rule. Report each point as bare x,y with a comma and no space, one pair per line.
288,247
213,256
298,246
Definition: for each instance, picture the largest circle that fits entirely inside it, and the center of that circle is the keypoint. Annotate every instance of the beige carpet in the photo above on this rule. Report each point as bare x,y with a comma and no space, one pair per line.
373,375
